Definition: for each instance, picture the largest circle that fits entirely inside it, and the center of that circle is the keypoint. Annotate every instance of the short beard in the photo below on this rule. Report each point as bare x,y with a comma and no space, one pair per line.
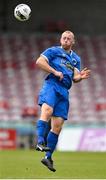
67,48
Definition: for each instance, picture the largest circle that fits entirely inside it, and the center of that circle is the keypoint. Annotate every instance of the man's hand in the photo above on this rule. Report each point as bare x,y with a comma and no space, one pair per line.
59,74
78,76
43,64
85,73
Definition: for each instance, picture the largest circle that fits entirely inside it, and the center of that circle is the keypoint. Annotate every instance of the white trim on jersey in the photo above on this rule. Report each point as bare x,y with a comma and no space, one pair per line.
77,69
45,57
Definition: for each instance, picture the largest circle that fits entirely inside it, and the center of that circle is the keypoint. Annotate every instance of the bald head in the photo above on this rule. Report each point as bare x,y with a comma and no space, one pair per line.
68,32
67,40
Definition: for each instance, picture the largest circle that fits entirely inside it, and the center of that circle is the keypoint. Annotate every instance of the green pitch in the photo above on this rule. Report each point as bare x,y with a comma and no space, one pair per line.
26,164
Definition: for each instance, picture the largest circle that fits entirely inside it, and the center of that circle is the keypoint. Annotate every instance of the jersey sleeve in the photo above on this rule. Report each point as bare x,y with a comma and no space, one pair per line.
48,54
78,65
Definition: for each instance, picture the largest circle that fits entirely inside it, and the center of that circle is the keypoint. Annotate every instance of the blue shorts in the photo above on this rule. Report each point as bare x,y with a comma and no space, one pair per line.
55,96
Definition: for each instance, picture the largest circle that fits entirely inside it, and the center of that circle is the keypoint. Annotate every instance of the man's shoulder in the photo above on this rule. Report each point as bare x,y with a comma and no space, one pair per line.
55,48
76,56
52,48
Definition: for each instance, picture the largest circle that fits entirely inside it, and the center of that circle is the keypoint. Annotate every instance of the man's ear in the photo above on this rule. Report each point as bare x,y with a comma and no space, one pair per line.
73,42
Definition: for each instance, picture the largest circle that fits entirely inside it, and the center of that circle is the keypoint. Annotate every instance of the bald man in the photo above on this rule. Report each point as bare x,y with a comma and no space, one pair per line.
64,67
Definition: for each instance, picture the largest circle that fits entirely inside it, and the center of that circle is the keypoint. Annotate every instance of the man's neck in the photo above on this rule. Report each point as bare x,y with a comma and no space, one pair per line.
69,51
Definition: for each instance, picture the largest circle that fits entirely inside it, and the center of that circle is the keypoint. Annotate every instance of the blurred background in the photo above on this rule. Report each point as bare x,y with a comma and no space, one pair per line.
20,80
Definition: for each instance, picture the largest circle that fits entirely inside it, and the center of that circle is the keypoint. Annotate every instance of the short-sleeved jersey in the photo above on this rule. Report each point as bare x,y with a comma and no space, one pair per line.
62,61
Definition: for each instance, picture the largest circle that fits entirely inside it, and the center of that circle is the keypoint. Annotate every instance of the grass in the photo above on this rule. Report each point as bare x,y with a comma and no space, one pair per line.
73,165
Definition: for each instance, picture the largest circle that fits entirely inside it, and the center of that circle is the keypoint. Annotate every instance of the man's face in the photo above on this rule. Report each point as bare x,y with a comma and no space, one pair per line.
67,40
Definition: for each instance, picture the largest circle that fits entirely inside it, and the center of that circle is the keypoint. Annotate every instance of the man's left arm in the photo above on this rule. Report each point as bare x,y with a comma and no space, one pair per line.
80,75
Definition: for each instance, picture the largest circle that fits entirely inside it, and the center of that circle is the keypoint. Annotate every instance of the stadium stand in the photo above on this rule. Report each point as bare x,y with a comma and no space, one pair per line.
20,80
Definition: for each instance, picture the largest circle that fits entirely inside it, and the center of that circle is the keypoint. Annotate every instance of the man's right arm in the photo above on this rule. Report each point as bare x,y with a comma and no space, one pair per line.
44,65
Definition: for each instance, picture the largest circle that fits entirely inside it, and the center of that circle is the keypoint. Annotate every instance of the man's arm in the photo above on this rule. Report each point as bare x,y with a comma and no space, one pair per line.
79,76
44,65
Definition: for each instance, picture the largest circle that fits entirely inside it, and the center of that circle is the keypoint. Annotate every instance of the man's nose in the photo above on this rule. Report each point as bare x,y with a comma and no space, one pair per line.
65,40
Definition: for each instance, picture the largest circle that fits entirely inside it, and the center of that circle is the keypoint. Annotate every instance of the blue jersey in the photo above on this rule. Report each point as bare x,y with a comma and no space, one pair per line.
64,62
